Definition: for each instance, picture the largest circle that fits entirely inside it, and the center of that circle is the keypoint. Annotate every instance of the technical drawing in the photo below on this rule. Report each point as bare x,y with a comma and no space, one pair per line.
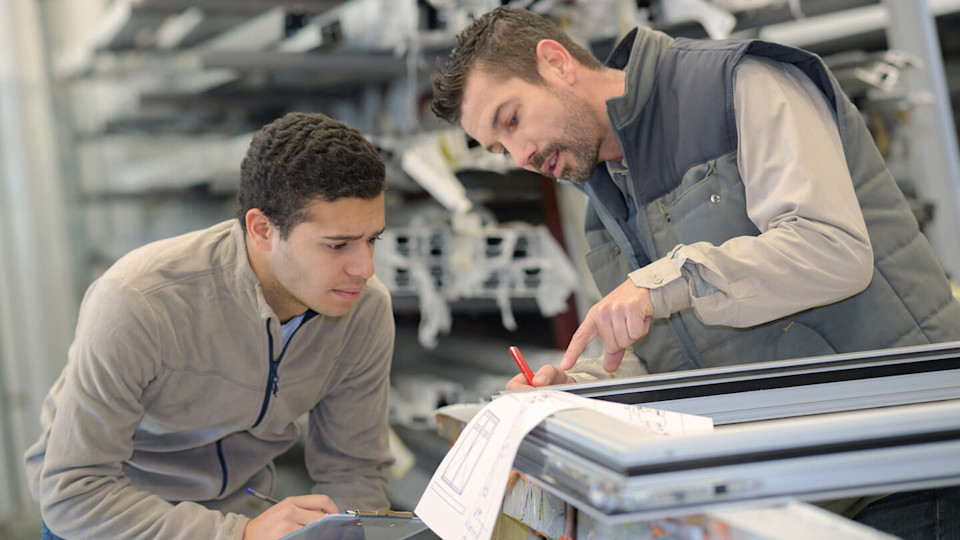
456,473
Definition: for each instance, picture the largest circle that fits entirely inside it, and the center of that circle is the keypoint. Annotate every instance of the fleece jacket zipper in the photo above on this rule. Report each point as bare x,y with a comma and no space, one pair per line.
273,379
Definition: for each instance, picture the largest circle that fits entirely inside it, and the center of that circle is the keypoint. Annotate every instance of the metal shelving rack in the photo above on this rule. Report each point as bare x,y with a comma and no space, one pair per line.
193,78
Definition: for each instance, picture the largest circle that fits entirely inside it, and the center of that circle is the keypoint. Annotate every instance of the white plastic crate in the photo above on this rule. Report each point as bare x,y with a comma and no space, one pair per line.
499,263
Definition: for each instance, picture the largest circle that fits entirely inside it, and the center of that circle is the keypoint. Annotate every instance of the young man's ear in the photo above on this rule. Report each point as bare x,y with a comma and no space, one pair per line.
259,228
555,61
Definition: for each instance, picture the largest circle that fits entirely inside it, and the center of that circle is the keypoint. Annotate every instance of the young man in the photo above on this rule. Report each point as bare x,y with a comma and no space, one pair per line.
194,356
739,209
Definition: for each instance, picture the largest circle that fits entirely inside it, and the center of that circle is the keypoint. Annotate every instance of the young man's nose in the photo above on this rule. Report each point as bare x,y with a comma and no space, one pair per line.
361,264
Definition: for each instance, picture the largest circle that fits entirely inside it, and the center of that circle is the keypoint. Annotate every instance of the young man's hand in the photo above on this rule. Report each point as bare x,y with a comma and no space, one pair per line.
287,516
619,319
545,376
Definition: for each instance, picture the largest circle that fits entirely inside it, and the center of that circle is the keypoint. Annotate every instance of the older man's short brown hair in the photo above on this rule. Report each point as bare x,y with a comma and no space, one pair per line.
502,42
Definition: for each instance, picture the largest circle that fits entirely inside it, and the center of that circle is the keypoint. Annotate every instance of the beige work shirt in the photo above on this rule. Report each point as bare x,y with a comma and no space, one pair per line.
813,243
813,248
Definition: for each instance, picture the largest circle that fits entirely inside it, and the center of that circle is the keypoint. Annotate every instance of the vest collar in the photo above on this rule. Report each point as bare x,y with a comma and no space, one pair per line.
638,54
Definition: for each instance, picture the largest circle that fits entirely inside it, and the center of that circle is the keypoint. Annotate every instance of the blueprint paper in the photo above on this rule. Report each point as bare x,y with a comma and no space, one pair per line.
462,500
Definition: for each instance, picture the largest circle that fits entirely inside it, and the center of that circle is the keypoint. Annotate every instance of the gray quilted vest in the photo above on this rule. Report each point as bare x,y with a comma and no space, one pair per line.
677,130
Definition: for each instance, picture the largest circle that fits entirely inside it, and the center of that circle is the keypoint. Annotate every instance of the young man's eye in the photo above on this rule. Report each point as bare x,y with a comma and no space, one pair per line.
337,247
512,121
374,239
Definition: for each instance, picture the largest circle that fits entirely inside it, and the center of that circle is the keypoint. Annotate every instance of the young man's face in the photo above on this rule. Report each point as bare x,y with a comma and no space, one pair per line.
326,260
546,129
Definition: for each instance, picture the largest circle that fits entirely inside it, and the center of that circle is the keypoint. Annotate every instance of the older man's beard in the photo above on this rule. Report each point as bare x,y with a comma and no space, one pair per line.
584,158
584,142
585,161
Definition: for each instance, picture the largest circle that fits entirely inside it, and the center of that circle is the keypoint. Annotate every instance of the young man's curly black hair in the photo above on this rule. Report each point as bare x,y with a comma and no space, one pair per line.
303,157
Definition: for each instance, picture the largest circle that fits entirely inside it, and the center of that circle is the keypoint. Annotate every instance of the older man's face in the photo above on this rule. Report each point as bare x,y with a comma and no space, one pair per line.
545,128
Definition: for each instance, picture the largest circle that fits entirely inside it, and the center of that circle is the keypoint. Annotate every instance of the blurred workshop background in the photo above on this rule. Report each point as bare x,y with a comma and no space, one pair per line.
125,121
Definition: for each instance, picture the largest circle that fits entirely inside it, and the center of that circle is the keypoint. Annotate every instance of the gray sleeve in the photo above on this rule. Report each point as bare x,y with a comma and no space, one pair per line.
813,249
347,449
83,491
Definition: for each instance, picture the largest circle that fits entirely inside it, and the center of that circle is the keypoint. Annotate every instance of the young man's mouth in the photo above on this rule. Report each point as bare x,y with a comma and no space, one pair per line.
350,294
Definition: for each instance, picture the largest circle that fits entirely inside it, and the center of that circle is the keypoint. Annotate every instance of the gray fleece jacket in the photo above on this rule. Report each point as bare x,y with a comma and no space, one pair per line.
178,394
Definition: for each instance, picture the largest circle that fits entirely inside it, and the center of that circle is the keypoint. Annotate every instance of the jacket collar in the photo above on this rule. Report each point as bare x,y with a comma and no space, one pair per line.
248,289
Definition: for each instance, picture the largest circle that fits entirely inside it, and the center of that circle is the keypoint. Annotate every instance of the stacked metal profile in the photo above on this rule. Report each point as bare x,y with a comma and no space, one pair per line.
799,430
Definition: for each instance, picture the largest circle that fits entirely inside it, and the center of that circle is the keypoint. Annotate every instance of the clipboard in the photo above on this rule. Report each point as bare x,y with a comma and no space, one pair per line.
364,526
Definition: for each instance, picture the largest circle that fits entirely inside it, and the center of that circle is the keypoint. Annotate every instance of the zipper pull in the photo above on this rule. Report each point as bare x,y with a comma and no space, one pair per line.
275,382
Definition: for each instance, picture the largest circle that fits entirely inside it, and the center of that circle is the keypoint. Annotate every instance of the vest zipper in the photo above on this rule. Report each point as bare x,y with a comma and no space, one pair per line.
676,322
685,340
646,244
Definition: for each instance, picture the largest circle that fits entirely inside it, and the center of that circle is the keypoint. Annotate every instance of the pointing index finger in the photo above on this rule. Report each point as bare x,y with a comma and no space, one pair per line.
584,335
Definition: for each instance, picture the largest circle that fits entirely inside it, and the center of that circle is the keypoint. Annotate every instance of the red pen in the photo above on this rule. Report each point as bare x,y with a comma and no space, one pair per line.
522,364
